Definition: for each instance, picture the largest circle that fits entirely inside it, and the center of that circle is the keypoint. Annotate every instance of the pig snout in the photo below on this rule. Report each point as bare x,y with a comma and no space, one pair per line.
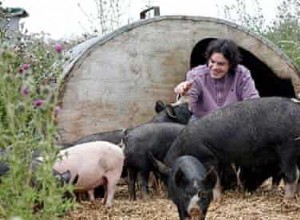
193,209
196,214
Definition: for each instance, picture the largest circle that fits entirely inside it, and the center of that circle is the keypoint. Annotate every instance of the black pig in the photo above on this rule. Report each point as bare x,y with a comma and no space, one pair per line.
139,142
189,186
176,112
252,134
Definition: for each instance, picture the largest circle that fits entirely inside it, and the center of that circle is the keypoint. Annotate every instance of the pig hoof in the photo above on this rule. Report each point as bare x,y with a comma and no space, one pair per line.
108,205
93,202
288,198
146,197
217,200
217,195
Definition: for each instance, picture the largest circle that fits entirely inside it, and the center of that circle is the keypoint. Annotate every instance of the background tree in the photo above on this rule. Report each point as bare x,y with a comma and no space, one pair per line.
239,13
283,30
110,15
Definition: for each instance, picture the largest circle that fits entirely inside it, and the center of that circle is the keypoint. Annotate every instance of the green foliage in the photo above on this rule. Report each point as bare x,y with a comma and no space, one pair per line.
29,76
283,30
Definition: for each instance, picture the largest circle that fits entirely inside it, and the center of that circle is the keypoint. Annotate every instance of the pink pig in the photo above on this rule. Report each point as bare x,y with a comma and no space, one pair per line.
96,163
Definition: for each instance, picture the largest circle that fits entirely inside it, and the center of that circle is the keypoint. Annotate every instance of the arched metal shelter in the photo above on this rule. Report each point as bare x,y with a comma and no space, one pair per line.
113,82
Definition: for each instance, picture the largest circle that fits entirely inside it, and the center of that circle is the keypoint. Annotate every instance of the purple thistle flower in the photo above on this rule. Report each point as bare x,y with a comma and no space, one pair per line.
38,103
57,110
58,48
25,91
25,66
20,70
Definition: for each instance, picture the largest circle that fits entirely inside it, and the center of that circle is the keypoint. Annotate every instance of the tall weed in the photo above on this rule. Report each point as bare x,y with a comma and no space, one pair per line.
30,72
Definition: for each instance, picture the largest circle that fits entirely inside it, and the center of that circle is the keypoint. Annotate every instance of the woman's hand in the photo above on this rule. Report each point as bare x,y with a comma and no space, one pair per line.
183,87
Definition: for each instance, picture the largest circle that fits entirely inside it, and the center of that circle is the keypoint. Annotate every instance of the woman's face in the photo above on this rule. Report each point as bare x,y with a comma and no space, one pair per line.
218,66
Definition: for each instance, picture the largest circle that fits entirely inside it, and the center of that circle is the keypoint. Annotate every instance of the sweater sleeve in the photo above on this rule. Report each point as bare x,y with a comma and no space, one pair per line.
195,92
247,87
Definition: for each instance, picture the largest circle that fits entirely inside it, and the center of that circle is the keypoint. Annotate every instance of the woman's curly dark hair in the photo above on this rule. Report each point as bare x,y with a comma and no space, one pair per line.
229,50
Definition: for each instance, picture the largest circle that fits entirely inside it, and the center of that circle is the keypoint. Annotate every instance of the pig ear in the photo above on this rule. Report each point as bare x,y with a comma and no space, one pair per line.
75,180
159,106
180,178
170,111
66,176
162,168
122,144
210,179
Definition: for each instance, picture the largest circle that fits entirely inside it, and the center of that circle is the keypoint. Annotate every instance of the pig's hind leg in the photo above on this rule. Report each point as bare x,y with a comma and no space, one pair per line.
289,167
105,190
91,194
144,178
112,180
132,177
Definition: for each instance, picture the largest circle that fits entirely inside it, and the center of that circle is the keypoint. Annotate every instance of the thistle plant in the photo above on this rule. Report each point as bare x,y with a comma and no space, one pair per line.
30,72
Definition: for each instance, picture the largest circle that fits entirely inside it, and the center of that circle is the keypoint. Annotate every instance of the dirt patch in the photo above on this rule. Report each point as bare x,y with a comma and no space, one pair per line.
264,204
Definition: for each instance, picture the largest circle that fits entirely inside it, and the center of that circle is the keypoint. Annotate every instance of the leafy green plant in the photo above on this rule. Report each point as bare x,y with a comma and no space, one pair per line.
30,72
283,30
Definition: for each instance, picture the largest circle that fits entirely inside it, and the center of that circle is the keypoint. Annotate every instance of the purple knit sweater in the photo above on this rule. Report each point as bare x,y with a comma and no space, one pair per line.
208,94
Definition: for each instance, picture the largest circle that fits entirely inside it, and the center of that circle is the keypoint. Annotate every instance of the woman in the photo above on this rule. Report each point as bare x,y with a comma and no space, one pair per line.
220,82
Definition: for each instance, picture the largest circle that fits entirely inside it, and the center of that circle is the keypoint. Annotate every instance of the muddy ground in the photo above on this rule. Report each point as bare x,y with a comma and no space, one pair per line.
264,204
